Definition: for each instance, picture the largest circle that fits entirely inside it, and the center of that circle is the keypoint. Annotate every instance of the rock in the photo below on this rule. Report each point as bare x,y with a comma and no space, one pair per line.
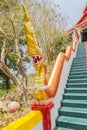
13,106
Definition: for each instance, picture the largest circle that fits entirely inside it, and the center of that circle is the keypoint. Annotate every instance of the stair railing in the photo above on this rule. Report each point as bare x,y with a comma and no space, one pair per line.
56,73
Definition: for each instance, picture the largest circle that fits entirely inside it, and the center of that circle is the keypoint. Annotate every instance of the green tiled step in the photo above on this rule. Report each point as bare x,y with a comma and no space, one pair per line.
74,103
76,85
76,90
75,96
79,65
77,76
77,70
72,123
81,45
79,62
78,73
80,55
79,59
82,50
79,80
61,128
73,112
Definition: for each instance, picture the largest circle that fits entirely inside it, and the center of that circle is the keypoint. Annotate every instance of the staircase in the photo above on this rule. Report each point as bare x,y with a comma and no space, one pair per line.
73,111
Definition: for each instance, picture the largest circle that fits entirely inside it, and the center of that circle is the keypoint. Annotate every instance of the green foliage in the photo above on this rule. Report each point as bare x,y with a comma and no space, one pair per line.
1,113
11,21
11,9
21,108
6,5
2,92
3,89
62,42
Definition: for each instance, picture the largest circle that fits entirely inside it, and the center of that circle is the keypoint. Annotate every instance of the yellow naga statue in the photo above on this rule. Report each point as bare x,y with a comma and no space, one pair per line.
39,63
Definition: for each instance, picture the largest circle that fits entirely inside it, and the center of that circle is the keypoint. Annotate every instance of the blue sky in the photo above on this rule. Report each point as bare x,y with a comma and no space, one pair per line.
72,9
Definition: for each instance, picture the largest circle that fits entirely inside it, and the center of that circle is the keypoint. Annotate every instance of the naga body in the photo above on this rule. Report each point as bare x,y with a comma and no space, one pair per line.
39,63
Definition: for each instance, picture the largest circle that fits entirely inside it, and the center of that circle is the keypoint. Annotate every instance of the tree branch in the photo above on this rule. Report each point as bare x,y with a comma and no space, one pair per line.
3,65
13,26
3,50
2,33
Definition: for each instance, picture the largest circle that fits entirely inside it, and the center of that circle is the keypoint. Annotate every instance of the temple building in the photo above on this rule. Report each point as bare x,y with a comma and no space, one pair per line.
82,26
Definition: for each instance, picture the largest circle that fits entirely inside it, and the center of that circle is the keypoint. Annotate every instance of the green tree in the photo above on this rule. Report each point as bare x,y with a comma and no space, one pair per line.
13,44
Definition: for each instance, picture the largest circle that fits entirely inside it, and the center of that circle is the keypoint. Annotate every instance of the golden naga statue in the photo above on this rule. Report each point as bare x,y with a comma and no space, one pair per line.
39,63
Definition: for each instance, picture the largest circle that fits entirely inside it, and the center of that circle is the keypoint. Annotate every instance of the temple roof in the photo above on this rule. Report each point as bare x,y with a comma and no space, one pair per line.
82,21
84,16
85,9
